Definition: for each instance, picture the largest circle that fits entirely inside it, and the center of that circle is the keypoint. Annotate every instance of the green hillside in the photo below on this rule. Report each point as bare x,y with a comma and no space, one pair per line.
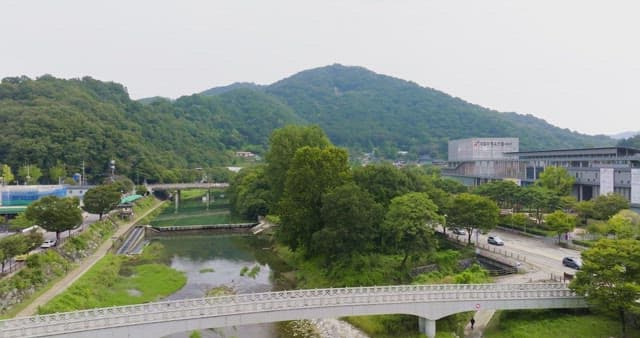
48,120
361,109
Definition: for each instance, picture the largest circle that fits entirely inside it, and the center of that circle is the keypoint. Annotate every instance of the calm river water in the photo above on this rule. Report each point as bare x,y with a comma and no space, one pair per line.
211,261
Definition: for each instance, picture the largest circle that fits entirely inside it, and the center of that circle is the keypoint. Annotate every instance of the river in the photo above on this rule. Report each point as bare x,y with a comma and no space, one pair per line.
244,264
212,261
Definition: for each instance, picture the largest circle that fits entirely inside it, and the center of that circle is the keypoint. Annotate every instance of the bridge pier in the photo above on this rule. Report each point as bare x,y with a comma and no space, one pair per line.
177,200
427,326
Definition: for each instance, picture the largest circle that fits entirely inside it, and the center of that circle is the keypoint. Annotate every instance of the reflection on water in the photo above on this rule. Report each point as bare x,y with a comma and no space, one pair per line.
210,261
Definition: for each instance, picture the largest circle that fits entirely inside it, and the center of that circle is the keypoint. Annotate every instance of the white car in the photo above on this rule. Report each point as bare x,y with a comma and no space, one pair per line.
495,240
49,243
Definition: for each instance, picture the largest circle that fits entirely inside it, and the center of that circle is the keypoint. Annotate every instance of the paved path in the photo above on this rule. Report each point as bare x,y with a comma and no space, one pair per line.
76,273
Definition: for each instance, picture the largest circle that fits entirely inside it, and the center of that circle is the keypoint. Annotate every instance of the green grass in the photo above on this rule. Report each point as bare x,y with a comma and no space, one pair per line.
552,324
119,280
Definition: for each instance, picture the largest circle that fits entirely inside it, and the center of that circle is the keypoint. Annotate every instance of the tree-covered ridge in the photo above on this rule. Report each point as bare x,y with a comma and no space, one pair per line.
49,121
631,142
364,110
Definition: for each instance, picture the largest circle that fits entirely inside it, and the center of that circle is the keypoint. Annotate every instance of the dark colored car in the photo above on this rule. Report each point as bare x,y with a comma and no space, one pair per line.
495,240
459,231
572,262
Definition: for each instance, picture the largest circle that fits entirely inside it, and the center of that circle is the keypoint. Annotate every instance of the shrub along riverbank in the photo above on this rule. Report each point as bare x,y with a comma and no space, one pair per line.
120,280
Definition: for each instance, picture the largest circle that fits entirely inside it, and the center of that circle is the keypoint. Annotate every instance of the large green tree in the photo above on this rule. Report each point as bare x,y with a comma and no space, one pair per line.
382,181
560,222
7,175
605,206
30,174
406,224
55,214
610,277
556,179
473,212
249,193
502,192
57,173
101,199
312,172
283,145
624,224
11,246
585,210
351,220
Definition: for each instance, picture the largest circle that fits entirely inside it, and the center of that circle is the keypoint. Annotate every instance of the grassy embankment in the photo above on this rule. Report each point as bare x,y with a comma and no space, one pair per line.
554,323
193,211
120,280
45,269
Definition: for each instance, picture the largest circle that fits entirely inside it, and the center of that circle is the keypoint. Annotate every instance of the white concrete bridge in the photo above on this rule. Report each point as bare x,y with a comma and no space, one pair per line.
429,302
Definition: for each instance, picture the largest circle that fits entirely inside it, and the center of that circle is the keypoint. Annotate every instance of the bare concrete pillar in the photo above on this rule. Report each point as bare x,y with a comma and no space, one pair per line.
427,326
177,200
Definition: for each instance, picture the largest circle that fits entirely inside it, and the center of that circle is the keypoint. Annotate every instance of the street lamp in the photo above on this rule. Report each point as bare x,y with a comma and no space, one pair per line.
113,168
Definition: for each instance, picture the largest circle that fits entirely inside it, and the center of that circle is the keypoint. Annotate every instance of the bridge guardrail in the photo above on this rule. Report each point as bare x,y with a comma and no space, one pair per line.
60,323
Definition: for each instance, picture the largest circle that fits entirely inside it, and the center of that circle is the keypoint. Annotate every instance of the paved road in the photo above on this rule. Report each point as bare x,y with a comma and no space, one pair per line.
543,258
76,273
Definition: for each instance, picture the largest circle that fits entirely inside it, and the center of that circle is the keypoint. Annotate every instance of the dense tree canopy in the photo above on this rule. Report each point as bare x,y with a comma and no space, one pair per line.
249,193
610,277
625,225
605,206
472,212
560,222
556,179
283,145
7,175
101,199
351,220
312,172
383,181
55,214
408,223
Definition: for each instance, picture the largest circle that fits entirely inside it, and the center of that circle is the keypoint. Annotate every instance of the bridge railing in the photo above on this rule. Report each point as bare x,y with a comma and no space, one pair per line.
269,301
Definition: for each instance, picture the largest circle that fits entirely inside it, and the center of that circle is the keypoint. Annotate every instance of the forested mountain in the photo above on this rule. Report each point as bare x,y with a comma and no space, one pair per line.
48,121
51,121
631,142
361,109
233,86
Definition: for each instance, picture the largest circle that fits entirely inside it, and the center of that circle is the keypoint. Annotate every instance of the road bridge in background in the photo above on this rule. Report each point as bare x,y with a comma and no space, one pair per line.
177,187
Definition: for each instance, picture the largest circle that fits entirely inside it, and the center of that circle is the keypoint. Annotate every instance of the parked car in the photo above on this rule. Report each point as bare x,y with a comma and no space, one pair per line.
572,262
459,231
49,243
495,240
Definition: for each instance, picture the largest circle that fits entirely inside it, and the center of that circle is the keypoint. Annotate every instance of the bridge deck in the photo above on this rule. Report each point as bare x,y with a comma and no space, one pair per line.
427,301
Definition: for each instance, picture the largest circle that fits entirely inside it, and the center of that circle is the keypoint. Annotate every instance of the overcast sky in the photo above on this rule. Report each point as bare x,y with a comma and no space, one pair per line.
575,64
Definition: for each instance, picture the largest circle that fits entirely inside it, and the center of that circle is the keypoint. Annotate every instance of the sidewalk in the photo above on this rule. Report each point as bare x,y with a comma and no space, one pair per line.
76,273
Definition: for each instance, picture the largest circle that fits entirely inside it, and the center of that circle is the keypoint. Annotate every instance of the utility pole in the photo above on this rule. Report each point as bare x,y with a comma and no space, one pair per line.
82,180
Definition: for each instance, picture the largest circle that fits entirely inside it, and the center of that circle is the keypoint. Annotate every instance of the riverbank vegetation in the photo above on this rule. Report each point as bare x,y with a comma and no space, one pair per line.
372,225
120,280
44,269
